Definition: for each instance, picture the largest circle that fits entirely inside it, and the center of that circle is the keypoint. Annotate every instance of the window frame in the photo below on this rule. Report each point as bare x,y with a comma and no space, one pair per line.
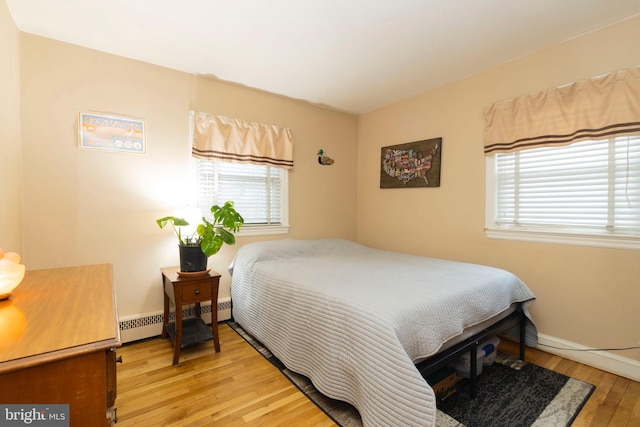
256,229
542,234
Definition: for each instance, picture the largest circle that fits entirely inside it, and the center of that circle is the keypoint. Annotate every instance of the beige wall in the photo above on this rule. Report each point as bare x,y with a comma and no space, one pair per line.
10,157
84,207
587,296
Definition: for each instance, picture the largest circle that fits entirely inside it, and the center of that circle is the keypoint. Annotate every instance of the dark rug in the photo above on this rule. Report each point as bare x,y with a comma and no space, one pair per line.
510,393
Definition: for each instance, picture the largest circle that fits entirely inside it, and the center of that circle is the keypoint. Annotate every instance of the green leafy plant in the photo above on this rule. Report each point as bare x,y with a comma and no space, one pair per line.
175,223
210,235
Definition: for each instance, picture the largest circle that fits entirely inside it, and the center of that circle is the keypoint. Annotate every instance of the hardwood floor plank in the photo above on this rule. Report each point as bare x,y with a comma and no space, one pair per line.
237,387
629,401
611,402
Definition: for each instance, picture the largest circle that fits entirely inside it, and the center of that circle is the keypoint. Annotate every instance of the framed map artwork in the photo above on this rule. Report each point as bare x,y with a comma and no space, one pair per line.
410,165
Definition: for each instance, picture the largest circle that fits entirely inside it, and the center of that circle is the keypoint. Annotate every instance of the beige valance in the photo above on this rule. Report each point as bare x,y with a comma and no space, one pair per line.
223,138
596,108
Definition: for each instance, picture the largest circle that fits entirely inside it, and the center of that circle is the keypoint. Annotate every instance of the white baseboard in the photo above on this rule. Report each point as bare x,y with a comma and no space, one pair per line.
141,326
623,366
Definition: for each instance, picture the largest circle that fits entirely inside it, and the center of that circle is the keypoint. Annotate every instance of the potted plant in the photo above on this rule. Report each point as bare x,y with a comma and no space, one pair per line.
207,239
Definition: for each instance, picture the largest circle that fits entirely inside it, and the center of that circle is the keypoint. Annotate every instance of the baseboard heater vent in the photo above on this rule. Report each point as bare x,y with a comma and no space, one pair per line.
142,326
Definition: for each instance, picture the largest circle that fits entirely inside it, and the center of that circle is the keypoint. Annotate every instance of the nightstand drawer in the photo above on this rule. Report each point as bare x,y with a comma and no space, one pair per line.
196,292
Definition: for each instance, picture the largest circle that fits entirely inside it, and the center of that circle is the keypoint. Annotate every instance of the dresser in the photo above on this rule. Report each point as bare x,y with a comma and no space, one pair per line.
60,335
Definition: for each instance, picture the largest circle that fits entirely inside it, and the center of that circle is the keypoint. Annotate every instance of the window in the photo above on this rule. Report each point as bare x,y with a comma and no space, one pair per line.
259,193
584,193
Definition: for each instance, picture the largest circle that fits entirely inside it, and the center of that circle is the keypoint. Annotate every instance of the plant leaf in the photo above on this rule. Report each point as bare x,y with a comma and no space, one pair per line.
210,244
226,236
178,222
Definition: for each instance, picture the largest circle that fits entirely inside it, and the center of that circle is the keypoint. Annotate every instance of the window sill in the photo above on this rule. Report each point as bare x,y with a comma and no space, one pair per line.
537,236
263,230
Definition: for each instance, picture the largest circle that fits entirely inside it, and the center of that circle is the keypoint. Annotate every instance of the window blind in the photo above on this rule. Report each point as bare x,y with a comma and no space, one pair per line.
256,190
587,187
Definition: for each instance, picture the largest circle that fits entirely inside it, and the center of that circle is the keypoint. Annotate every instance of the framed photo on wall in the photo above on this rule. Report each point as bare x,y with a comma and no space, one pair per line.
410,165
99,131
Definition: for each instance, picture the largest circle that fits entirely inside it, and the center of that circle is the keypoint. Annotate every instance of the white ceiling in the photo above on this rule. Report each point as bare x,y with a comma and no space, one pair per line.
351,55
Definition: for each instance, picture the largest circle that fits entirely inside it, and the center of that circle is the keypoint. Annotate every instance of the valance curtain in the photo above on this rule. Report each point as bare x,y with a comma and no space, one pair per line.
223,138
597,108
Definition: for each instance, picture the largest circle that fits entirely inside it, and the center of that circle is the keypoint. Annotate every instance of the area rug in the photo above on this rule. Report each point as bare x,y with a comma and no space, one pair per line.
510,393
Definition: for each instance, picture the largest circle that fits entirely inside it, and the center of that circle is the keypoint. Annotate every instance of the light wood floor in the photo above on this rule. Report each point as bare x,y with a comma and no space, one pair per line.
238,387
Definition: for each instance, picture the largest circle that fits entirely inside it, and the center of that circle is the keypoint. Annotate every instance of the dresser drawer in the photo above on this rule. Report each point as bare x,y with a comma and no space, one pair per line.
196,292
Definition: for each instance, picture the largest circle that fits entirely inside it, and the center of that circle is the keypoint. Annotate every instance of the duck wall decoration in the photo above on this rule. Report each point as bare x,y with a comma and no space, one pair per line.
324,160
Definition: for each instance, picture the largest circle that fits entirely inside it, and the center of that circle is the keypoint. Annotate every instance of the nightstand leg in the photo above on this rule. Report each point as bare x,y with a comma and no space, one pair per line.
214,325
214,313
165,316
178,343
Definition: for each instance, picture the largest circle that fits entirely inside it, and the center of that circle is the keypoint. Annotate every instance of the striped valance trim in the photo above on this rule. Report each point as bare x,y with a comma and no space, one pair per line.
235,140
601,107
623,129
238,158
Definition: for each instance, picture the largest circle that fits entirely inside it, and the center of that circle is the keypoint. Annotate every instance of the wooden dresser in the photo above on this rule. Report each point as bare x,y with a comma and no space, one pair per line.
62,345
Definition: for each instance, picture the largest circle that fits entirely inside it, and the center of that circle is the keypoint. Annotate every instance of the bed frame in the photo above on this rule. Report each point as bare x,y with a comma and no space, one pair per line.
433,363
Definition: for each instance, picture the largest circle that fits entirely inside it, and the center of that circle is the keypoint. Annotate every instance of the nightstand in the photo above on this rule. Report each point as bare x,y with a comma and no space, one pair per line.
193,288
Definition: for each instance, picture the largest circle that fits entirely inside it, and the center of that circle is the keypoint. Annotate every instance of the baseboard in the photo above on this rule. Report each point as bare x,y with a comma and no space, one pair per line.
141,326
623,366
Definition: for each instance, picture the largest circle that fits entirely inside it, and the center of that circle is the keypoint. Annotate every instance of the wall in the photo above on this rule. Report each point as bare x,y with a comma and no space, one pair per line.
10,159
85,207
586,296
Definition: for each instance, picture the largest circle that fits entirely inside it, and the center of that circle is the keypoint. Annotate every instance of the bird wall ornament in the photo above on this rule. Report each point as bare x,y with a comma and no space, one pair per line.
324,160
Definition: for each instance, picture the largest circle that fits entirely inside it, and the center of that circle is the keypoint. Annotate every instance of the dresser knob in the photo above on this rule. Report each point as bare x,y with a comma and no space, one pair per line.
119,359
197,291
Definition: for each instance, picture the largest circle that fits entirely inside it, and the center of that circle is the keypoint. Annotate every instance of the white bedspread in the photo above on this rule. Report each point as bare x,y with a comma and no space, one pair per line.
354,319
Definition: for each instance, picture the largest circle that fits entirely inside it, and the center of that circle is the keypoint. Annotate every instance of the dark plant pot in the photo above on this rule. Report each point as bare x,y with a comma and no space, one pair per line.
192,259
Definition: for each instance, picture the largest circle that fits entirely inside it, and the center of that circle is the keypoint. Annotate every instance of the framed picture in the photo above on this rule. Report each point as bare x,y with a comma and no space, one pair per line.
414,164
99,131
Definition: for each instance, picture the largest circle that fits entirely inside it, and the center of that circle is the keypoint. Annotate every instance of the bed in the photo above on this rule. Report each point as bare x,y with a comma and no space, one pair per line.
357,320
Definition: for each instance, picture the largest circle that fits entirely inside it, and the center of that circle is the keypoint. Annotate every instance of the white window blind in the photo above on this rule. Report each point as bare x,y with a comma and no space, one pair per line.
258,191
589,187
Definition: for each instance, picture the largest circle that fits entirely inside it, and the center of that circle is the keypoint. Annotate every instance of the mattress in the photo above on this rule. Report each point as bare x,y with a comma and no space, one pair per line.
355,320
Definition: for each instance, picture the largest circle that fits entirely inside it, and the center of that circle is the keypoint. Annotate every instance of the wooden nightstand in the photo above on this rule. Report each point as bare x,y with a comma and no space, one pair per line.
191,289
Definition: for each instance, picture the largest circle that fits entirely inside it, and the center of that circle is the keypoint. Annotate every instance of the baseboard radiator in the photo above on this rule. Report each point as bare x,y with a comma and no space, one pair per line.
142,326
